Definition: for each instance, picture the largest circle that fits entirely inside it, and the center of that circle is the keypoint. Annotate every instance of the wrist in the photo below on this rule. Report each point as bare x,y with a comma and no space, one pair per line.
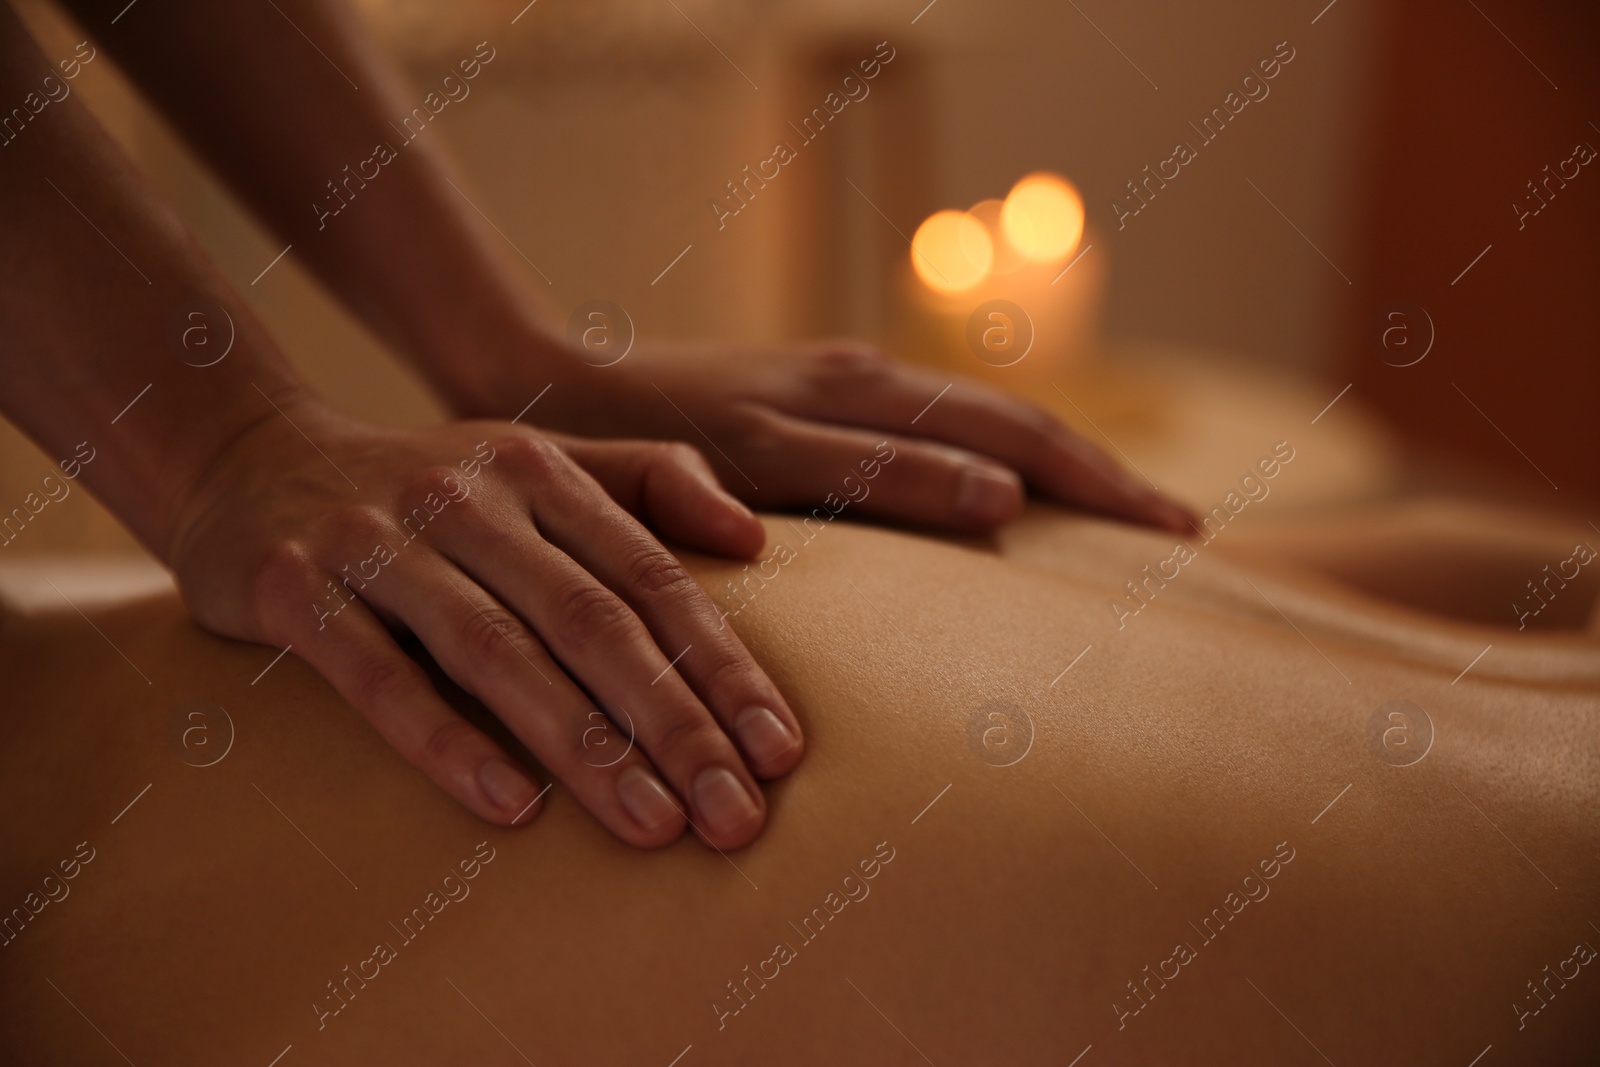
475,335
284,417
494,369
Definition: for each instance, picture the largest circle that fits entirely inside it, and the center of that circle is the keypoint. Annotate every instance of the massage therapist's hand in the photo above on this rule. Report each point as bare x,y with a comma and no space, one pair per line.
511,556
784,424
417,260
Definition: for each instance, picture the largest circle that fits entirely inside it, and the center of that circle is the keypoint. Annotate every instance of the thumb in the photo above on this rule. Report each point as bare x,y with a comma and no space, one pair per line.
672,489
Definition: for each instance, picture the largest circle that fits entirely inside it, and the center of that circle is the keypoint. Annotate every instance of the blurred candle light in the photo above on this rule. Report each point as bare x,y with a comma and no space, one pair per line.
1010,291
1007,260
1042,217
951,252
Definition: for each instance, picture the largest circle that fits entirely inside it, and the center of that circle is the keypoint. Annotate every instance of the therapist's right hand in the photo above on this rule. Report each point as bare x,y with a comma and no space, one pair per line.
510,554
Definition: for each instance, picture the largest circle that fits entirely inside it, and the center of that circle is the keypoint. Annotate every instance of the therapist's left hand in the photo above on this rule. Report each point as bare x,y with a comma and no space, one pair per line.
784,425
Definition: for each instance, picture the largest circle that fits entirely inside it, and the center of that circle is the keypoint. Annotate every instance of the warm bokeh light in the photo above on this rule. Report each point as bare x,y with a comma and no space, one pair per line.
1043,217
951,251
1007,260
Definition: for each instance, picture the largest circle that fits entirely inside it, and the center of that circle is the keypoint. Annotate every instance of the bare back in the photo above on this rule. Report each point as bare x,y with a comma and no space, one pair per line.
1028,825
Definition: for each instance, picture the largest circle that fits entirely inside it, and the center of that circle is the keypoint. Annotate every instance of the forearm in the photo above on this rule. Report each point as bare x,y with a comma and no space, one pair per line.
339,160
96,285
290,101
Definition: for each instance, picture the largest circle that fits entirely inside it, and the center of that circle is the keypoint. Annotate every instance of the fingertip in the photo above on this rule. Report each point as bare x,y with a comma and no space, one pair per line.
712,519
656,816
1139,502
731,812
1172,515
513,797
744,534
721,530
772,746
988,496
701,514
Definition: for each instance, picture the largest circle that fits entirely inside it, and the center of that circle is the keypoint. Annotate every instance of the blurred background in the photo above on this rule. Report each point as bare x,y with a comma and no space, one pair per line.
1344,266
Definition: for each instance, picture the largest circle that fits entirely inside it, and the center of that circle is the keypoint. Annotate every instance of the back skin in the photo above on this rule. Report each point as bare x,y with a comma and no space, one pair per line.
1199,844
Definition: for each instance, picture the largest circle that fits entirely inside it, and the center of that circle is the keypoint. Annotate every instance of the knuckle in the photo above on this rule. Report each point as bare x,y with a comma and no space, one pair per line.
678,454
285,574
385,679
591,612
850,361
531,454
445,741
437,480
685,729
360,524
493,634
284,569
732,670
655,572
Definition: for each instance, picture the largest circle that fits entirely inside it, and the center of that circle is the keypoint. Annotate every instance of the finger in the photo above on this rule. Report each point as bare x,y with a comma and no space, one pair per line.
1021,435
602,643
351,649
613,547
672,489
831,468
489,652
1058,460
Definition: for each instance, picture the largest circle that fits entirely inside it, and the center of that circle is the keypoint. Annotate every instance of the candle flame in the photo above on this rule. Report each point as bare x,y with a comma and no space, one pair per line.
1042,217
951,251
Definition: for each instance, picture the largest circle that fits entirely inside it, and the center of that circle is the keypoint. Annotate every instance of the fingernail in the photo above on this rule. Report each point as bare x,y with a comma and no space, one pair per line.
987,495
645,798
763,734
506,786
723,802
